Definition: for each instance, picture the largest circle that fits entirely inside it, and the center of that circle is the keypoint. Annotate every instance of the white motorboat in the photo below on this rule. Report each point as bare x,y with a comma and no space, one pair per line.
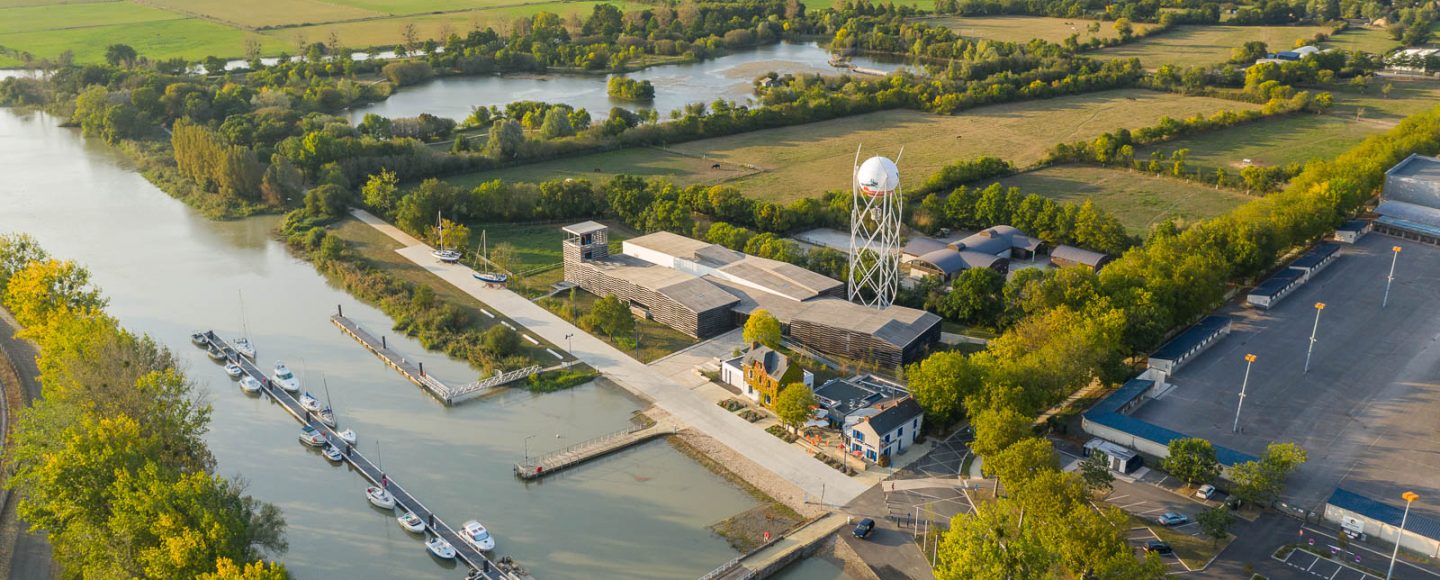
249,385
243,346
442,253
286,378
347,436
332,453
440,548
234,370
198,339
411,522
327,417
215,354
311,436
380,498
475,533
309,402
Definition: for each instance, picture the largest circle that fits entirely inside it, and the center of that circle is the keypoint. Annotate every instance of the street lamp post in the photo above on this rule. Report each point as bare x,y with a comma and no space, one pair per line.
1391,277
1410,497
1249,360
569,346
1318,307
527,449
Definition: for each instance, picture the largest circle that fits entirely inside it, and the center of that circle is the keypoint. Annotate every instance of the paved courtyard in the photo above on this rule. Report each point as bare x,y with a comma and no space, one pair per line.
1366,412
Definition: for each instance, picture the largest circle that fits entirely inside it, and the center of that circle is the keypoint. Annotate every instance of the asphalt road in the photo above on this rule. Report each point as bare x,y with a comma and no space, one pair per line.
27,555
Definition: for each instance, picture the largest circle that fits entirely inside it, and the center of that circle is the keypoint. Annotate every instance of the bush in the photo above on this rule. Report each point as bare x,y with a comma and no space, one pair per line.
408,72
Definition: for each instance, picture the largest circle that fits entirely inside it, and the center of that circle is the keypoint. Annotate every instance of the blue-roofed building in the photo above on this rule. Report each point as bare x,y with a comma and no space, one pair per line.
1351,231
1110,420
1364,515
1317,259
1410,204
1188,344
1275,288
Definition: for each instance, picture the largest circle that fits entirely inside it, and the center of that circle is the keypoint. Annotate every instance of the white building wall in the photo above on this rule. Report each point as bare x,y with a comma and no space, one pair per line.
1385,532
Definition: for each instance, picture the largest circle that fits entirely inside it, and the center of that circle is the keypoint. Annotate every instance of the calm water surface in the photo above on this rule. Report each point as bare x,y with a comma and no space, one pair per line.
168,271
676,85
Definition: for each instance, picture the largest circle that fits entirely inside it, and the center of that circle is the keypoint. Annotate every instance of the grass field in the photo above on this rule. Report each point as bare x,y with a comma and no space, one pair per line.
261,13
1205,45
807,160
68,16
1024,28
14,3
1138,200
389,31
187,38
1374,40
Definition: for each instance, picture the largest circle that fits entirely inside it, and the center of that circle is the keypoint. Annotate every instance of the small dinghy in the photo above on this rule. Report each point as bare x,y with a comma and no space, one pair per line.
411,522
475,533
215,354
198,339
234,370
347,436
249,385
440,548
309,402
380,498
243,346
332,453
327,417
311,436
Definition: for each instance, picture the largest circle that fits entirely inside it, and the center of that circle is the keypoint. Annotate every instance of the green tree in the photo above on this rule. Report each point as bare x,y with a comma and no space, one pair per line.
940,383
612,316
998,428
120,55
505,139
42,290
1016,465
499,341
503,257
974,297
1095,470
793,405
556,124
762,328
16,252
992,544
227,569
1263,481
451,235
381,191
1215,522
1191,460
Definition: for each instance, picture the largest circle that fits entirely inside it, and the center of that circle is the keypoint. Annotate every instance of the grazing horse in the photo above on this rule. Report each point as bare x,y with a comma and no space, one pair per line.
715,166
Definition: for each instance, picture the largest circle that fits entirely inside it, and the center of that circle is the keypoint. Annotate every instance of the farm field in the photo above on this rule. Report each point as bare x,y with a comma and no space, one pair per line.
263,13
14,3
1374,40
1024,28
1138,200
187,38
1205,45
1407,97
807,160
66,16
1293,139
389,31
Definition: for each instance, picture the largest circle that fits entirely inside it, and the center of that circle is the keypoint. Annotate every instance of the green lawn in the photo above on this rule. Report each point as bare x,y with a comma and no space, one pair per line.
262,13
187,38
1292,139
1206,45
1407,97
642,161
390,31
1368,39
655,340
1138,200
68,16
1024,28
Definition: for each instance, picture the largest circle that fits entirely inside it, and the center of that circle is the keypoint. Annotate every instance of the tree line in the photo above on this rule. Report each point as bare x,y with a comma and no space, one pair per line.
111,464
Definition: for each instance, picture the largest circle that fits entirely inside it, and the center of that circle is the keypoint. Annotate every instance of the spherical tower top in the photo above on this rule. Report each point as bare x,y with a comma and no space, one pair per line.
878,176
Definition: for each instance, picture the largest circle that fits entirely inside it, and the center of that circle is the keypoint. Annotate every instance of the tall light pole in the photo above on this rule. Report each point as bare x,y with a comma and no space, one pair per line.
1410,497
527,449
568,344
1391,277
1249,360
1318,307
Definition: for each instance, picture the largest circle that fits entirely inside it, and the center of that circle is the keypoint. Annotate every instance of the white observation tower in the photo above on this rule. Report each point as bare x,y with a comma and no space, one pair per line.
875,232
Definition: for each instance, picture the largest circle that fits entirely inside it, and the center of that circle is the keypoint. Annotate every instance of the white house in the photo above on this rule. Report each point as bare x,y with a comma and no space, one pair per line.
890,431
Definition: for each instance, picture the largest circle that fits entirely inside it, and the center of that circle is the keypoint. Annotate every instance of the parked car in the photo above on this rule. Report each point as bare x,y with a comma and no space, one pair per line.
1206,491
1158,547
863,529
1172,519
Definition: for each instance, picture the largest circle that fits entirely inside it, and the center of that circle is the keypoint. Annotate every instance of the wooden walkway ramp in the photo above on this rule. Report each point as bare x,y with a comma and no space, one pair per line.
583,451
415,371
480,565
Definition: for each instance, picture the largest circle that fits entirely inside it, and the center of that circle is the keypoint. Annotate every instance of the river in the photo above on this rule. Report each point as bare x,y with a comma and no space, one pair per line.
676,85
167,271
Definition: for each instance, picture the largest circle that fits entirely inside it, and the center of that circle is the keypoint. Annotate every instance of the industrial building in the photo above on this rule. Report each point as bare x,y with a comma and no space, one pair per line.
1410,203
1359,514
1110,420
1298,273
703,289
1186,345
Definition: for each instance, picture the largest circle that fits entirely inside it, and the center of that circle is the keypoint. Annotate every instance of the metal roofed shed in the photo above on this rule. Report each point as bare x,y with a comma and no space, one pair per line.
1117,457
1363,515
1275,288
1063,256
1351,231
1110,420
1317,259
1188,344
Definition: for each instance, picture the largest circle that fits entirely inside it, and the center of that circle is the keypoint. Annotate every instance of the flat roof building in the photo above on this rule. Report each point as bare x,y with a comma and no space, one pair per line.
1063,256
703,289
1186,345
1410,204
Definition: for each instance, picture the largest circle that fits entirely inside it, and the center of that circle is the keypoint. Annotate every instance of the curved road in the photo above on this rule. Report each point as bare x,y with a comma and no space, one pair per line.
22,555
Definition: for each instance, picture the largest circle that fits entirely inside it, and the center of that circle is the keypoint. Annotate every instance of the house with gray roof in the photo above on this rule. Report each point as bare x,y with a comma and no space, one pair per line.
890,431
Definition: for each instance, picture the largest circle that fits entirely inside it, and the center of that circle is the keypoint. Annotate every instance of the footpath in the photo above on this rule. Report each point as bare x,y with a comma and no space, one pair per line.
821,483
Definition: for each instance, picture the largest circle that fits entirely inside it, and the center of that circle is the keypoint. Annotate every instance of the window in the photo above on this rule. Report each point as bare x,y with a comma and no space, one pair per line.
901,432
857,435
870,454
887,438
915,424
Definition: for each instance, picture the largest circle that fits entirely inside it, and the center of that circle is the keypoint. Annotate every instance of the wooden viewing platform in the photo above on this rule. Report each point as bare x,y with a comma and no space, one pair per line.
480,565
415,372
590,449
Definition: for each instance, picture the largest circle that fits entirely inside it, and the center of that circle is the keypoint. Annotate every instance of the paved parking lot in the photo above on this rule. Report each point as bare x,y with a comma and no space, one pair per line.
1335,568
1365,411
1137,537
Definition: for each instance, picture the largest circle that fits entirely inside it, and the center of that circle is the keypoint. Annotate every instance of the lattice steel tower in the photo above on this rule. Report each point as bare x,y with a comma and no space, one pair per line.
875,232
